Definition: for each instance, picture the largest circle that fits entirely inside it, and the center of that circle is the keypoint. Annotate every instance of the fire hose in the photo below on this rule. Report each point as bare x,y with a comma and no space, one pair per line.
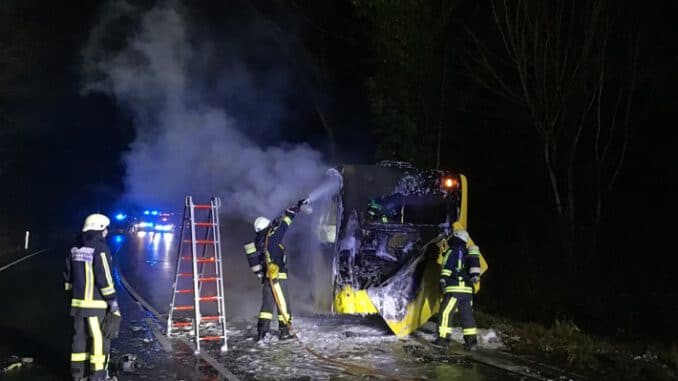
271,275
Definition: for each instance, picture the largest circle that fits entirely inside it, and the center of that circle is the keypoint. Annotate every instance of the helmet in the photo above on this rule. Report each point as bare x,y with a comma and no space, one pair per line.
373,208
96,222
462,235
261,223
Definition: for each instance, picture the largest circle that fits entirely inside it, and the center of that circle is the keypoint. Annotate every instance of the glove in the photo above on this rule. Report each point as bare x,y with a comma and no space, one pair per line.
111,325
297,207
260,276
113,306
475,278
275,223
272,271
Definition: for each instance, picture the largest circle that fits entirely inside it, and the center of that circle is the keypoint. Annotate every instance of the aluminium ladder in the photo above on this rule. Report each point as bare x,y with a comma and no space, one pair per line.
199,284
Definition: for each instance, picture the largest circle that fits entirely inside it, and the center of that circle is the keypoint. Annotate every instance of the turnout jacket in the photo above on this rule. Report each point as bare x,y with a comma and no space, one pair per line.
461,262
87,274
271,238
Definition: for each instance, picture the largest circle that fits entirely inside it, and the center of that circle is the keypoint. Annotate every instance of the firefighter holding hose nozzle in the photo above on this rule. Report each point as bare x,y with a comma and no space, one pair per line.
268,261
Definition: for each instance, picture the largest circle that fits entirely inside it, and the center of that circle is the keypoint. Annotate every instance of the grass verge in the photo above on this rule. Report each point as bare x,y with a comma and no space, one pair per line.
565,345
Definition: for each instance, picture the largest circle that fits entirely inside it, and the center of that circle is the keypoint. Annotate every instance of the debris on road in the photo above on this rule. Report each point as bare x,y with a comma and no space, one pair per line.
14,363
127,363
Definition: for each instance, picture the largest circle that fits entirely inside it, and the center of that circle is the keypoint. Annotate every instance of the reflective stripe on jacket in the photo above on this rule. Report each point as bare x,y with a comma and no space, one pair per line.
273,236
88,274
459,263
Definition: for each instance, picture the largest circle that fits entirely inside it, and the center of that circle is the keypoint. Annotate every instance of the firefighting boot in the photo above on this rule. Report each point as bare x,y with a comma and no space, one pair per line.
470,343
284,333
263,326
442,342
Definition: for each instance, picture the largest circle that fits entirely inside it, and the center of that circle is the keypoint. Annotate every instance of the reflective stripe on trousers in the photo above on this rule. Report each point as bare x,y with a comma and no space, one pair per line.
268,304
87,334
452,302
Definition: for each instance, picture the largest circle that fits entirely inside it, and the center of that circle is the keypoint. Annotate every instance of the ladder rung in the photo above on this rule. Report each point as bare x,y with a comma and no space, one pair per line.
202,206
211,338
185,274
200,260
208,279
210,318
187,291
183,308
208,298
205,224
182,324
201,241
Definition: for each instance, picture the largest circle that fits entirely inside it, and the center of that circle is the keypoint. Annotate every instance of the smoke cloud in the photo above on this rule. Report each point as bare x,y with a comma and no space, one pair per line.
198,109
185,143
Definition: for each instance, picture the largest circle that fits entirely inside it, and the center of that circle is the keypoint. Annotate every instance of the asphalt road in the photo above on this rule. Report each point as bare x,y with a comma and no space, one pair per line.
34,322
148,263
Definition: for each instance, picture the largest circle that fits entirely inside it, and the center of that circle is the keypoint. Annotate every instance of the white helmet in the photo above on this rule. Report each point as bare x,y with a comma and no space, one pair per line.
462,235
96,222
261,223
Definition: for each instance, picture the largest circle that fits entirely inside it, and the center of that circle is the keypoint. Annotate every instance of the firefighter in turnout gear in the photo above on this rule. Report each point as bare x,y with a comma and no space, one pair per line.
87,277
460,271
268,261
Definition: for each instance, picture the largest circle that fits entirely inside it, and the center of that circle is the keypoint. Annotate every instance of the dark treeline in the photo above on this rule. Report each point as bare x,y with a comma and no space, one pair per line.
556,111
59,151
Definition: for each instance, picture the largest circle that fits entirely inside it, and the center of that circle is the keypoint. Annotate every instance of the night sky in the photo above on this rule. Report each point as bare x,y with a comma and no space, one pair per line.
56,137
62,149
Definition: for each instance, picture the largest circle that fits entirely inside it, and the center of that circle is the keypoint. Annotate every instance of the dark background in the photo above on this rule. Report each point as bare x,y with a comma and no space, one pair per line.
60,152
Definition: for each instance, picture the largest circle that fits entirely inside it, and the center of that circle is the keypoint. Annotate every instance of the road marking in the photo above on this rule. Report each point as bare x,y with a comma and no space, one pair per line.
3,268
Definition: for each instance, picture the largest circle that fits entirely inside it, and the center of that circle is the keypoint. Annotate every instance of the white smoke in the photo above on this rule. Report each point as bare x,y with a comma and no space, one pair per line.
186,143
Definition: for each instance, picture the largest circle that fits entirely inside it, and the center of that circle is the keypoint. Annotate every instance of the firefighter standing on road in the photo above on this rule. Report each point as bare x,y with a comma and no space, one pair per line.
87,276
267,259
460,270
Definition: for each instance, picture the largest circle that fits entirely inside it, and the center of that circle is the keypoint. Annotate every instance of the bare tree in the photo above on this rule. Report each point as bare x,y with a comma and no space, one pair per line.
556,61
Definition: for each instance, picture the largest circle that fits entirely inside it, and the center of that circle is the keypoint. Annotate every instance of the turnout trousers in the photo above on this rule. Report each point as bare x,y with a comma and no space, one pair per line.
274,297
453,301
89,346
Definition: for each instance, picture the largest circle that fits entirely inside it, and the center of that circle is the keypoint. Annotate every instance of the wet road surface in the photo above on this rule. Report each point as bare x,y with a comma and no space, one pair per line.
35,323
148,263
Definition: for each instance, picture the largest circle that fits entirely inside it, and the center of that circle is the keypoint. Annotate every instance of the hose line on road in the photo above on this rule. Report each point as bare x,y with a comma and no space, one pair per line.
349,367
225,373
